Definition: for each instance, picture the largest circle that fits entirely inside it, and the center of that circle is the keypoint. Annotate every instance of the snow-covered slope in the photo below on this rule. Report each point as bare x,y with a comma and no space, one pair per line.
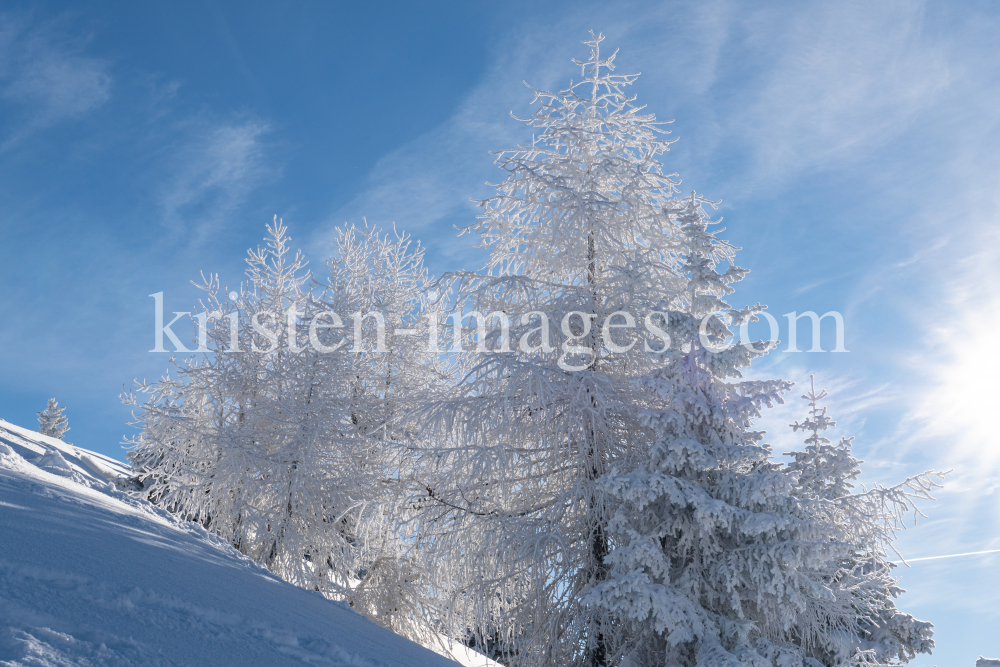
60,458
92,576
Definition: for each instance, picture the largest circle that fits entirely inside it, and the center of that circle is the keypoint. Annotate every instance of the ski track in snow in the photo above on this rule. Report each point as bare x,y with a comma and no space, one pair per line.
90,575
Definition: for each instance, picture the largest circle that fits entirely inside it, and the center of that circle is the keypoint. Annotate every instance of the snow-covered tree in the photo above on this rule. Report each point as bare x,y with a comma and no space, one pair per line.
727,558
384,274
582,231
52,422
604,503
249,440
280,439
860,622
585,485
695,530
823,470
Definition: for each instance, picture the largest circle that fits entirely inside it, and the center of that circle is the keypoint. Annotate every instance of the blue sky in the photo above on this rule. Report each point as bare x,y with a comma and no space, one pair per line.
854,147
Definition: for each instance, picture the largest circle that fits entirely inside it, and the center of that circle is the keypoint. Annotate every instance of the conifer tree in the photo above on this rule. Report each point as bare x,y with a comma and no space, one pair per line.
282,438
690,515
861,622
583,231
385,275
604,503
727,558
52,422
238,440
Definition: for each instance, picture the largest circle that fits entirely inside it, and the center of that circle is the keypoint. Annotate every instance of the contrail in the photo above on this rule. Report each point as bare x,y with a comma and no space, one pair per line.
971,553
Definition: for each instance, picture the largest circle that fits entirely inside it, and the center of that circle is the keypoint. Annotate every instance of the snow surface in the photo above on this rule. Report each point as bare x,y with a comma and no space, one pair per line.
90,575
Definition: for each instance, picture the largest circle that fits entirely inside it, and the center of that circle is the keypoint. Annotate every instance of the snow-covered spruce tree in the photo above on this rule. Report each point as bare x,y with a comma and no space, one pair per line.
582,232
860,620
276,440
724,557
52,422
699,546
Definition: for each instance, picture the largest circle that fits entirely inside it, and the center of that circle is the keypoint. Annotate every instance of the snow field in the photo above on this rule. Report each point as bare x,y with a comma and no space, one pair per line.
92,576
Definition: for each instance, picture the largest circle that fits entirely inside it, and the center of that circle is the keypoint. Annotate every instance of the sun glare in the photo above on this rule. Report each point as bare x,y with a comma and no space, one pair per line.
962,401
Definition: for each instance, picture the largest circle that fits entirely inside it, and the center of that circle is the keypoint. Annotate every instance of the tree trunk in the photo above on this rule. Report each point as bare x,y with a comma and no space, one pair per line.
598,653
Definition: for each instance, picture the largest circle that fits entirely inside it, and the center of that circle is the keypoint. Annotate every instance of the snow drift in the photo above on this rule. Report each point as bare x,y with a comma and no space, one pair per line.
91,575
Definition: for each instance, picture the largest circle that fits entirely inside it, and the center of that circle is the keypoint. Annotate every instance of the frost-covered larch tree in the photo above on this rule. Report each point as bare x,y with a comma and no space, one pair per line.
583,231
52,422
251,439
280,438
385,276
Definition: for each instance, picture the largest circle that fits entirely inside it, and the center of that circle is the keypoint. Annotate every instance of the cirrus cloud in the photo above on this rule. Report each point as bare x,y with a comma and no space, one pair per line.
45,79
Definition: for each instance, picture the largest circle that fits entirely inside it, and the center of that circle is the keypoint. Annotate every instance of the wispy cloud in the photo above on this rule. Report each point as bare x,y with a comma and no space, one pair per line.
46,75
970,553
922,253
839,80
425,186
212,172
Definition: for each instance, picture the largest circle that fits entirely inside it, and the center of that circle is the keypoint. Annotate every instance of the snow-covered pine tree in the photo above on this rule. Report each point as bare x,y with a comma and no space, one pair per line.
822,470
582,230
279,439
52,422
